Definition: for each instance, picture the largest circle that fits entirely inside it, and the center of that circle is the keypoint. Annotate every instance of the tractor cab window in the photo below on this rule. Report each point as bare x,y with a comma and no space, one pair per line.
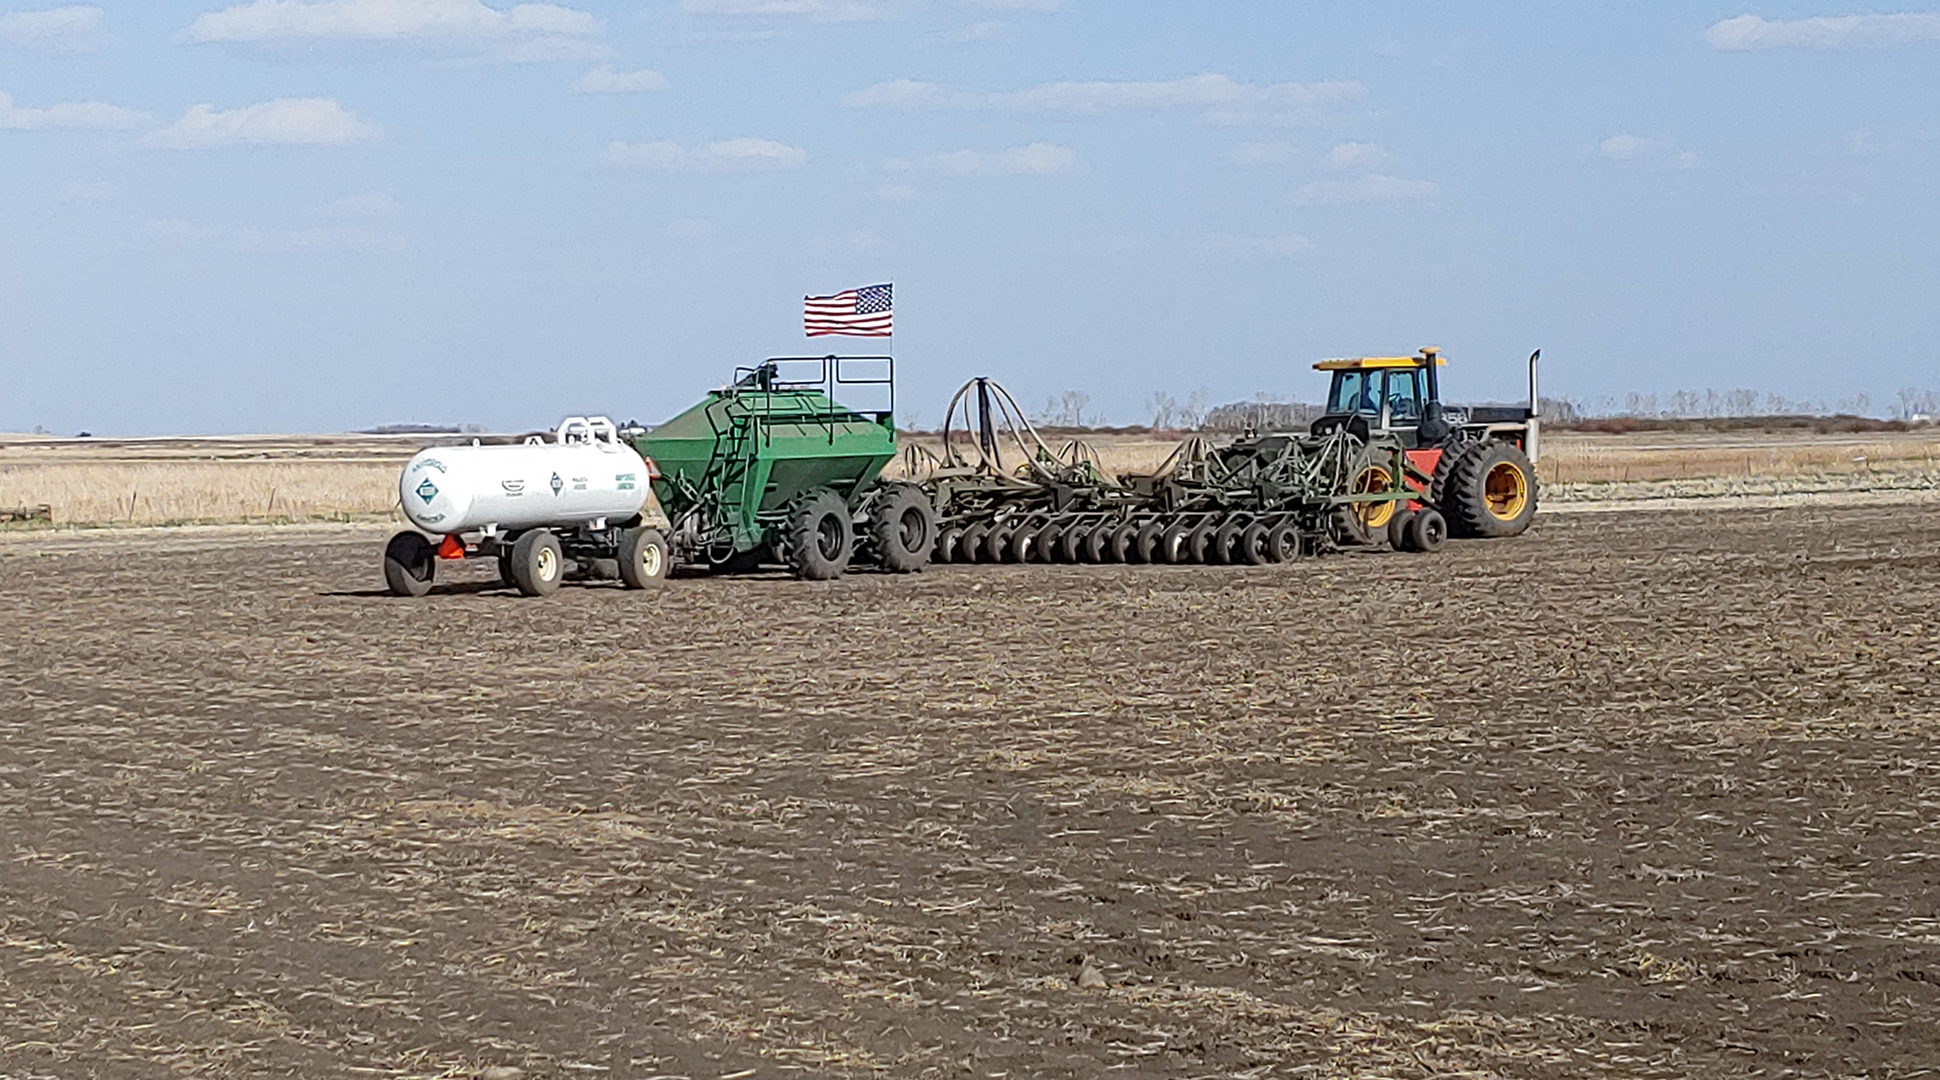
1355,392
1404,397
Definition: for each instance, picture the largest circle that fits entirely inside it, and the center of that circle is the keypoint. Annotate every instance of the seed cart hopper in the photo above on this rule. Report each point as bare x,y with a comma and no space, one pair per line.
773,469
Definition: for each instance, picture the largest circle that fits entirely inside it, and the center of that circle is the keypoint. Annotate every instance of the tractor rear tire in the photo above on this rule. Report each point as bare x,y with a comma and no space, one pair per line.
821,536
644,558
1252,545
903,529
410,564
1427,531
1491,492
538,566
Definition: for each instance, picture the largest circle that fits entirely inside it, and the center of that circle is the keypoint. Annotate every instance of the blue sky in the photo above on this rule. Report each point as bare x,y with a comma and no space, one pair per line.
315,216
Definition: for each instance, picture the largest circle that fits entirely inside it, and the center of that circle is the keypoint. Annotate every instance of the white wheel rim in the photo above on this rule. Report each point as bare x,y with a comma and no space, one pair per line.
650,560
548,564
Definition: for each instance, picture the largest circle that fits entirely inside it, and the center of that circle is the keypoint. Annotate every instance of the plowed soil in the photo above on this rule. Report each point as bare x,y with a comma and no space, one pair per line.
1636,795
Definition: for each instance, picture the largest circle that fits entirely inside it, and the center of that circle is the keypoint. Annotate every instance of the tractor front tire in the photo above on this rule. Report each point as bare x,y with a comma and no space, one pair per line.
410,564
820,537
1491,492
904,529
645,559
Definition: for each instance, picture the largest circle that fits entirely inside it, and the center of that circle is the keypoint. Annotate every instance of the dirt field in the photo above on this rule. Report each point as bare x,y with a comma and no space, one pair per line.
1638,795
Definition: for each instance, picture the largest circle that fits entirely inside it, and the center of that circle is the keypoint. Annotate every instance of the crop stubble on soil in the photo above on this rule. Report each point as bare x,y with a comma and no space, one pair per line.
1637,795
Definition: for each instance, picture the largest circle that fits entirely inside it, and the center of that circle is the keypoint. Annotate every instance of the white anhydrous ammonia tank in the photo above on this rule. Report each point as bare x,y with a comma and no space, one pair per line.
585,475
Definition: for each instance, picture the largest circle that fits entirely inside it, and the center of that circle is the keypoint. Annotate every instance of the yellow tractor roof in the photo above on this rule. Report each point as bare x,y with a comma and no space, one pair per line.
1364,363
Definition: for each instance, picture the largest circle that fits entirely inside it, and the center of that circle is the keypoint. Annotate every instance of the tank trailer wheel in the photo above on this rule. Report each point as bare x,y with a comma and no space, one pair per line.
904,530
645,559
538,566
410,564
1427,531
820,537
1491,492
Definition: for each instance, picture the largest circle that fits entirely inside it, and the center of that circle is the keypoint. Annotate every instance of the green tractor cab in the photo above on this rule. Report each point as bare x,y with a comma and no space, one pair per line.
773,469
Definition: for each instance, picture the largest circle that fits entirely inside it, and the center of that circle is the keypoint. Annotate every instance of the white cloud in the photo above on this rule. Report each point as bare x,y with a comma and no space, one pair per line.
832,11
1634,148
726,156
1372,188
283,122
1037,159
371,204
72,115
604,80
1354,155
526,32
906,95
976,31
1824,32
1228,246
67,29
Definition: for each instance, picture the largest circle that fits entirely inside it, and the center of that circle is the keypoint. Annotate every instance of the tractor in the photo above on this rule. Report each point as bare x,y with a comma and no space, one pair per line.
1475,465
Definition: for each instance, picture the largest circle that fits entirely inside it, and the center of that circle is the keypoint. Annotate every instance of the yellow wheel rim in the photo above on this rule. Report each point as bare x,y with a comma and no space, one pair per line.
1506,490
1374,480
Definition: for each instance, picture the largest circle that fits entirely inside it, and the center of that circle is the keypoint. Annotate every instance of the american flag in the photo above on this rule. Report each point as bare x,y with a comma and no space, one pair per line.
851,313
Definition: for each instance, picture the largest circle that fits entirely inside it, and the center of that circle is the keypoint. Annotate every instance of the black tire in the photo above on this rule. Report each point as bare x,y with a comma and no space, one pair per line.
996,543
1452,454
1046,548
1252,544
970,545
1146,542
1098,542
820,536
949,540
1491,493
1225,541
1397,531
1173,545
1124,542
410,564
1428,532
505,567
1199,541
1071,542
1283,543
645,559
902,529
538,566
1023,544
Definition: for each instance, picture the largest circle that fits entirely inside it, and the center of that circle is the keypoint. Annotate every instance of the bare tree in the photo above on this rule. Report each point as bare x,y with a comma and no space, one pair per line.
1165,408
1071,408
